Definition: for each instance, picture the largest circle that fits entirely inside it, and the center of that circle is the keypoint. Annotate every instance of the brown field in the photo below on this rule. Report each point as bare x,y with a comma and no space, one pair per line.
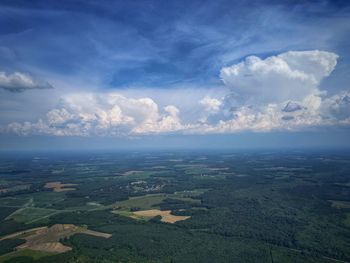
166,216
23,233
59,187
46,239
132,172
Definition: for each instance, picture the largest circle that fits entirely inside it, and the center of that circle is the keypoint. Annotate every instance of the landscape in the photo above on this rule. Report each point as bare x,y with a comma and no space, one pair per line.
174,131
195,206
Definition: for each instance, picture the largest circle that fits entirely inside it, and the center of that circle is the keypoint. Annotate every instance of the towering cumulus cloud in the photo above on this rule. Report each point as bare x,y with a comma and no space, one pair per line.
288,76
279,92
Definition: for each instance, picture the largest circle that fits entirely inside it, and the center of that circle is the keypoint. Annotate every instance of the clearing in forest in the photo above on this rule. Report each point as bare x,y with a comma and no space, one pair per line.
47,239
132,172
59,187
29,215
14,188
166,215
340,204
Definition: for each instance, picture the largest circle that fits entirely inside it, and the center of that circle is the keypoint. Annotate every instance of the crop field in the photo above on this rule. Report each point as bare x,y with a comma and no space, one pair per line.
341,204
153,200
166,215
13,201
142,202
46,239
30,215
59,187
24,253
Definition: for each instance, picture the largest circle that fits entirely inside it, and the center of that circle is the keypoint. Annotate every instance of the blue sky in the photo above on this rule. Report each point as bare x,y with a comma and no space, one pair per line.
184,69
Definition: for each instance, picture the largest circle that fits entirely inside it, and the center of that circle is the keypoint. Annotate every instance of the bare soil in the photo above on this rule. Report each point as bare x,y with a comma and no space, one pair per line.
47,238
166,216
59,187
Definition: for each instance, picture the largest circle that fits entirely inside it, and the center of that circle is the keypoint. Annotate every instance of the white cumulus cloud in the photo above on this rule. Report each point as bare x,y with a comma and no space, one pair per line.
210,104
279,92
289,76
110,114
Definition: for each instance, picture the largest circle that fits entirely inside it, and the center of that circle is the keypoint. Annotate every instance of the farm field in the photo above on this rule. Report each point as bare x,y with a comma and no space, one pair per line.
176,207
47,239
165,215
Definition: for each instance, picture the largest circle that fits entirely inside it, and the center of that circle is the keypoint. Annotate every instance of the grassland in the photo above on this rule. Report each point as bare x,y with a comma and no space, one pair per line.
153,200
141,202
30,215
13,201
340,204
28,253
347,220
14,188
148,206
44,199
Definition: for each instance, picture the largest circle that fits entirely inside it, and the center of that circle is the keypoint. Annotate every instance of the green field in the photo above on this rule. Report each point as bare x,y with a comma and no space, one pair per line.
347,220
150,201
340,204
142,202
31,214
26,254
14,201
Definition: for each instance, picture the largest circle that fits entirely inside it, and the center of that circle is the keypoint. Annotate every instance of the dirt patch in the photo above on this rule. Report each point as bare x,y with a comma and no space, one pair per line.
59,187
96,234
47,238
55,247
23,233
166,216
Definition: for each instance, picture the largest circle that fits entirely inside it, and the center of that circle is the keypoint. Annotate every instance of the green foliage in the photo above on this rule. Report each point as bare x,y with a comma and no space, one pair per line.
6,211
23,255
9,245
32,214
253,207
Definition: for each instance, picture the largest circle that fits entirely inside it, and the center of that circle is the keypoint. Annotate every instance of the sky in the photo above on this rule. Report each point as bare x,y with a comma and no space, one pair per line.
181,74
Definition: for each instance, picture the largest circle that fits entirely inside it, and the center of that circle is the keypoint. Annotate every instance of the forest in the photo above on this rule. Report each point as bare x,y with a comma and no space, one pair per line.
252,206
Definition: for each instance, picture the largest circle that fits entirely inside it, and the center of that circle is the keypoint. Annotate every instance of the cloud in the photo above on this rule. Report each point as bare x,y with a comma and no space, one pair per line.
291,75
168,122
277,93
210,104
292,106
337,107
18,81
103,114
